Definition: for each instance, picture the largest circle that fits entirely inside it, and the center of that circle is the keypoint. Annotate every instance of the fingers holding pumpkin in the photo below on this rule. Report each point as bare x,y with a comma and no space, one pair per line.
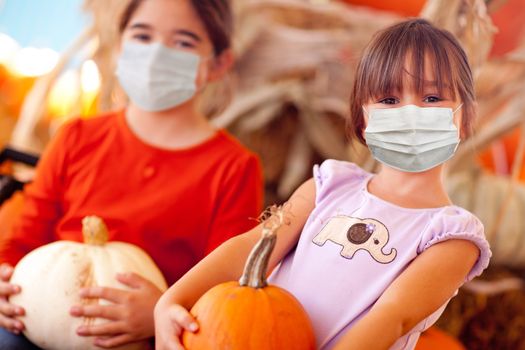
11,324
6,271
109,312
111,342
7,289
170,324
133,280
10,310
181,317
107,329
114,295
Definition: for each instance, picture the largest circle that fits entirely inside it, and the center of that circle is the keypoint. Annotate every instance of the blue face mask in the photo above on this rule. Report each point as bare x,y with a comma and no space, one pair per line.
156,77
412,138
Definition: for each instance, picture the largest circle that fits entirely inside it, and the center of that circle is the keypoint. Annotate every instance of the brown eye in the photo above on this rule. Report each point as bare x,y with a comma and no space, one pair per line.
145,38
389,101
432,99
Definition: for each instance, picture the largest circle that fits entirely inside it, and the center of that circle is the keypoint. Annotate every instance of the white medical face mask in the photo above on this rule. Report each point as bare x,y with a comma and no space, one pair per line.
156,77
412,138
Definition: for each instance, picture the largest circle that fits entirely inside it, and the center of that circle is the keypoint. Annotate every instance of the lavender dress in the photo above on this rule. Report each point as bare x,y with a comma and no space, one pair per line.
355,244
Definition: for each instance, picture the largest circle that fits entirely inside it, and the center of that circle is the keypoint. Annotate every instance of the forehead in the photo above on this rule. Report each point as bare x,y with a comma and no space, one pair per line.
168,15
415,78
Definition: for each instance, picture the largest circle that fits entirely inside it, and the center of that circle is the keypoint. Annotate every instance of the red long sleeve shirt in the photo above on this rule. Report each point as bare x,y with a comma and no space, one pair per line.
176,205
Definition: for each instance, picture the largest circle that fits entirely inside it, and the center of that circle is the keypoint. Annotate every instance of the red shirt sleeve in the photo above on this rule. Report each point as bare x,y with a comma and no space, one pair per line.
240,204
42,202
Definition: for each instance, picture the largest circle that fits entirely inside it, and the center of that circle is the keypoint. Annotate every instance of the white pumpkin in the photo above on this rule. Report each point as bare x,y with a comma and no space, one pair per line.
51,277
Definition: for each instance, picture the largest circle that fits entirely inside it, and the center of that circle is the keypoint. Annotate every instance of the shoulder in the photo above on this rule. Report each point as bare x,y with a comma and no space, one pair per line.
338,169
454,222
94,125
455,219
78,129
230,145
230,152
335,174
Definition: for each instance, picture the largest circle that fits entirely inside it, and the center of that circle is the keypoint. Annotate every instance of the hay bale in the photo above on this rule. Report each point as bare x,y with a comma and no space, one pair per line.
490,314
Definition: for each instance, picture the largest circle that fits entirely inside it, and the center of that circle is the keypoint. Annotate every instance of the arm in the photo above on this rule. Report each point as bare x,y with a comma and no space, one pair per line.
42,201
34,226
428,282
226,263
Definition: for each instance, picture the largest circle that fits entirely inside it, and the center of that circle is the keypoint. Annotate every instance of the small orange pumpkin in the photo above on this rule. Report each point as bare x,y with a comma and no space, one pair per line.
250,314
435,339
405,7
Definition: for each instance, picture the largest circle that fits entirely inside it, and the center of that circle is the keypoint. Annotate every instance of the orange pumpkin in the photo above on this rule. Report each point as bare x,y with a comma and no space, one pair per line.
405,7
503,152
250,314
511,27
435,339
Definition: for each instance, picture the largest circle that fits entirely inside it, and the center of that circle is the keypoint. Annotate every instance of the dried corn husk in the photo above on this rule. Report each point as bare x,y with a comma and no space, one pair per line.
484,194
470,23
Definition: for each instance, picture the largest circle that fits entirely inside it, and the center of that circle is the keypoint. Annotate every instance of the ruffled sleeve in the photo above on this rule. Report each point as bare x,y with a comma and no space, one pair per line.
457,223
334,176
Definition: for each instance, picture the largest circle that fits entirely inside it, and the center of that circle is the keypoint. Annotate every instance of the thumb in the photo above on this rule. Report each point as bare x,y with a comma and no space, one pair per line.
181,317
132,280
6,271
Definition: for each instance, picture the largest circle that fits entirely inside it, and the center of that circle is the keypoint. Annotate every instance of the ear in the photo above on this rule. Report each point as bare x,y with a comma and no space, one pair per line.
220,65
364,115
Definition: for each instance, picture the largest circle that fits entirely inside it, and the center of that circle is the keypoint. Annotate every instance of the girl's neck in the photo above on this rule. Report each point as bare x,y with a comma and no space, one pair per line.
410,190
175,128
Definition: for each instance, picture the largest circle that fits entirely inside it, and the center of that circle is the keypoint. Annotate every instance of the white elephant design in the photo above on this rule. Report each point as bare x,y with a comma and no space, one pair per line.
354,234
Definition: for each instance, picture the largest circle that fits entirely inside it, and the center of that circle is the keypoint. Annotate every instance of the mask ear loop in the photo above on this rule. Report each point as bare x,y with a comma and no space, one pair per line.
454,112
457,108
366,112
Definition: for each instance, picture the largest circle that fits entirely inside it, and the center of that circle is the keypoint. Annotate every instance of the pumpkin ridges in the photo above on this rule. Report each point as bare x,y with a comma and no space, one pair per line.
298,327
204,309
264,332
87,279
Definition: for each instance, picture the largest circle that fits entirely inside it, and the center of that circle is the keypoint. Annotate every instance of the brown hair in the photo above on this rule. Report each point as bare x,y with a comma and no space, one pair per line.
381,69
215,14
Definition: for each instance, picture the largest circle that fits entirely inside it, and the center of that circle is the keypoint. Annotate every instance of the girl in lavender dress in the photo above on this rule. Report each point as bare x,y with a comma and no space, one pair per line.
373,258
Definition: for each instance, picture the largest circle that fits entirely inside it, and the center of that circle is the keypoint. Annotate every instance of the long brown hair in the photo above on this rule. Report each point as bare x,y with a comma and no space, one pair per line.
381,69
216,15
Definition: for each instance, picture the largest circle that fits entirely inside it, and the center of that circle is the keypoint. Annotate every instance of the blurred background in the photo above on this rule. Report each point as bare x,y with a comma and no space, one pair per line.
289,102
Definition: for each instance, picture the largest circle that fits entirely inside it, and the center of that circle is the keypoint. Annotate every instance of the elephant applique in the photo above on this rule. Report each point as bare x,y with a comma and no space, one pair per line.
354,234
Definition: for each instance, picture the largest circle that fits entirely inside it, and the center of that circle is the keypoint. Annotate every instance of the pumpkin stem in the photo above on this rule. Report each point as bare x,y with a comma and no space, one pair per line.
256,267
94,230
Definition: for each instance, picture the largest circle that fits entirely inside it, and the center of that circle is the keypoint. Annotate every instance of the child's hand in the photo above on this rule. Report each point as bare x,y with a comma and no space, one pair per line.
8,311
129,314
170,321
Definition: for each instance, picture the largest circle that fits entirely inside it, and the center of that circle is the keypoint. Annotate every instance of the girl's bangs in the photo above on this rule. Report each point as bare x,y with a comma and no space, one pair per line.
404,54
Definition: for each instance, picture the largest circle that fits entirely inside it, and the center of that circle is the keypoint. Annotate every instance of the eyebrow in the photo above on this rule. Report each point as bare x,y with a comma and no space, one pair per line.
140,26
176,31
188,33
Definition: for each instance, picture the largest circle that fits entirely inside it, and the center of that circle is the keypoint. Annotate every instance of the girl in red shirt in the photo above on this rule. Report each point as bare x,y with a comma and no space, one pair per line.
158,173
